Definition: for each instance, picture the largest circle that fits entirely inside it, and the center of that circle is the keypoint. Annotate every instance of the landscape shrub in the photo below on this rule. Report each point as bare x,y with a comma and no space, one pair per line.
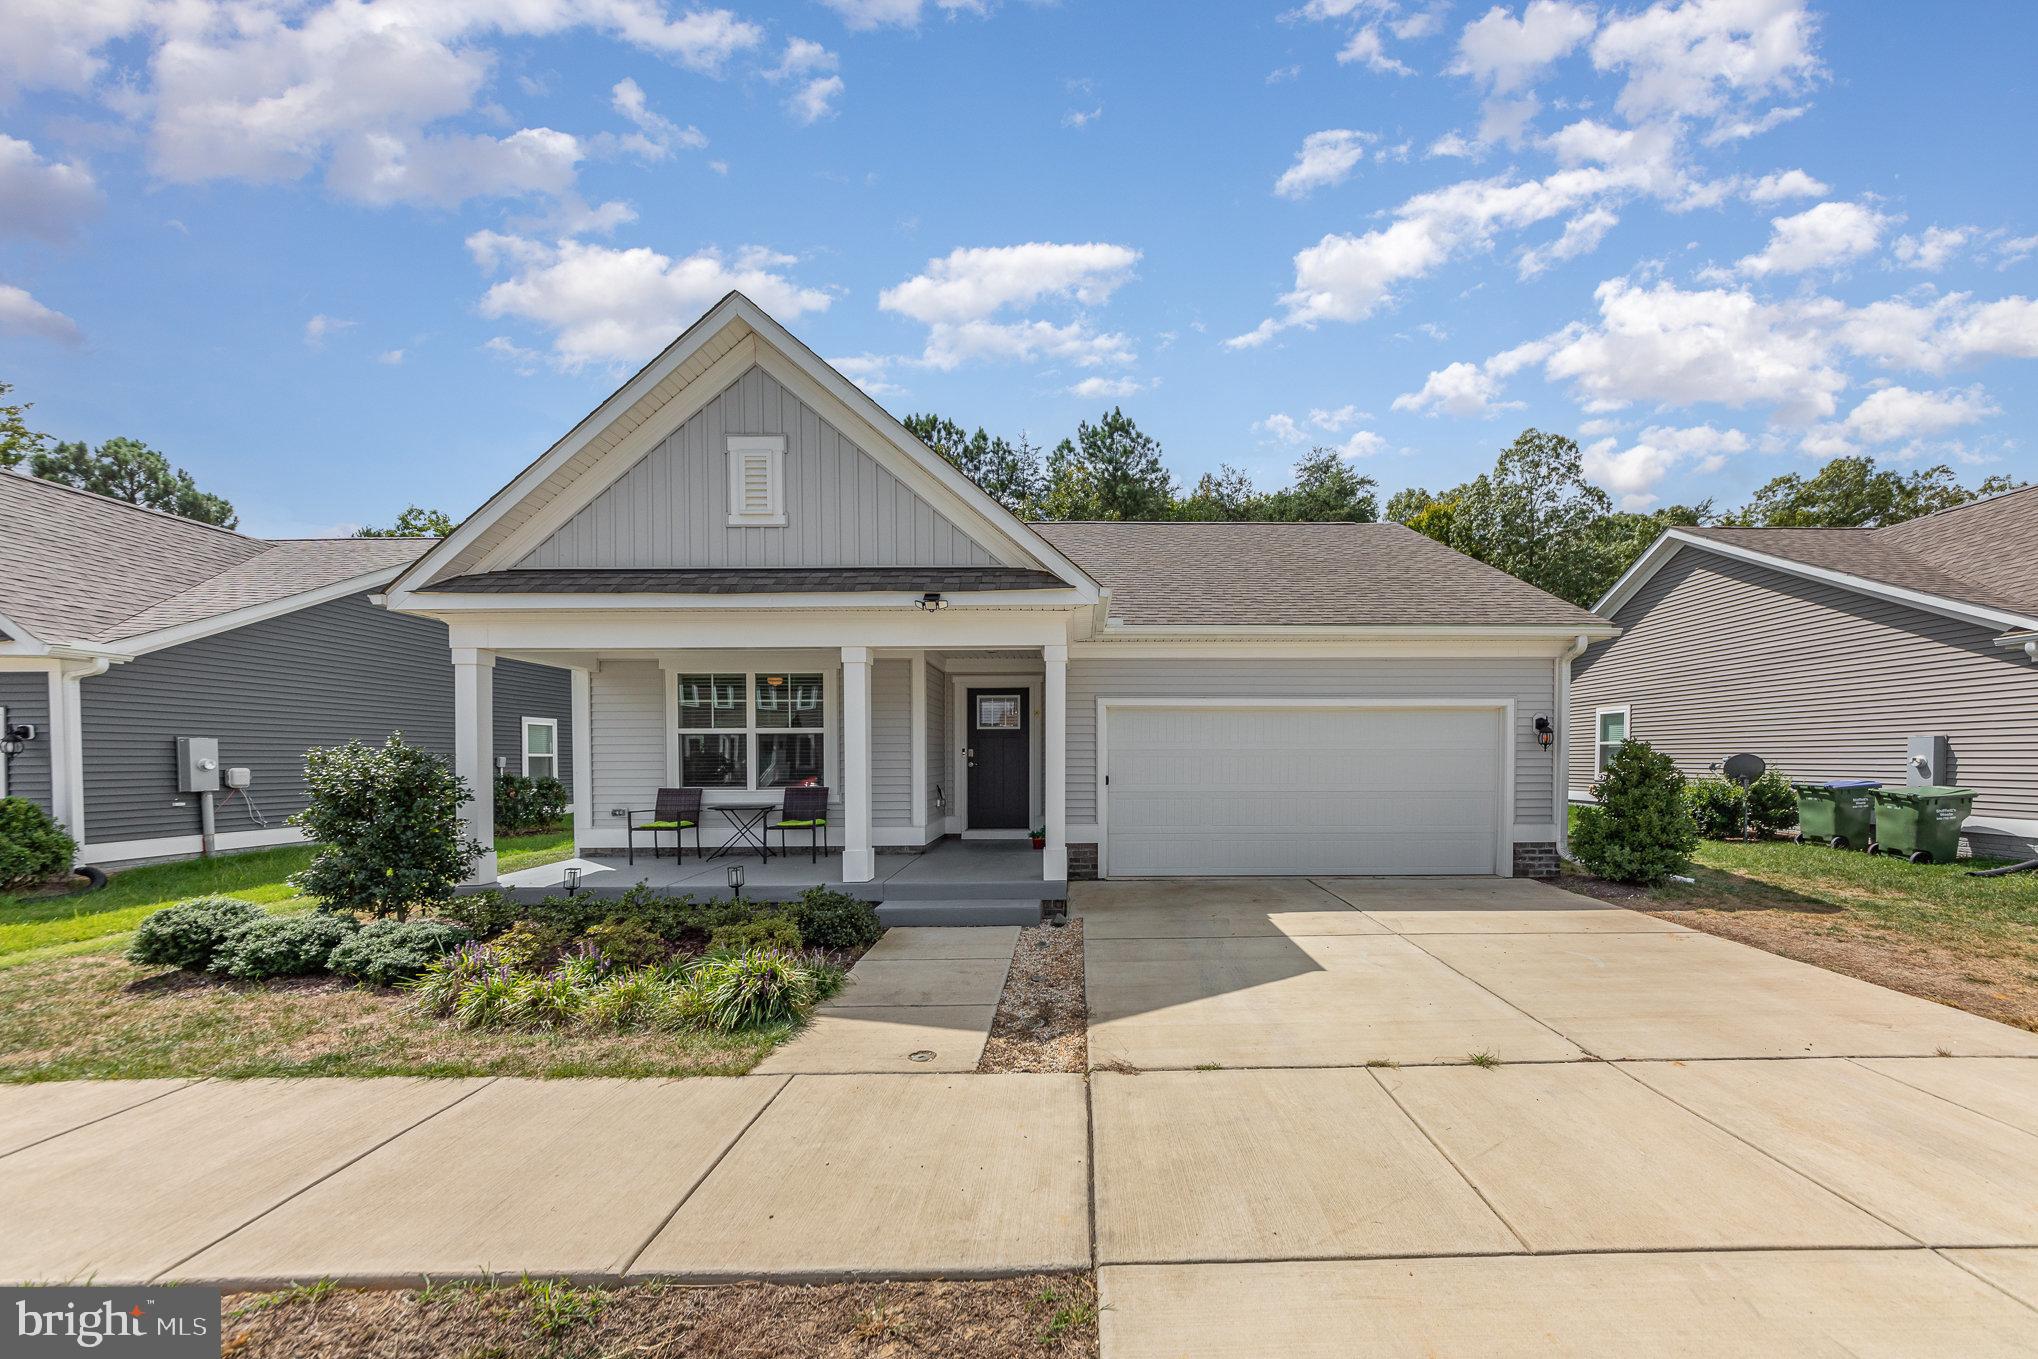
488,1000
765,932
1715,807
32,845
282,945
390,951
627,944
1772,804
748,990
387,823
1640,831
529,946
523,804
548,1002
835,920
485,914
188,934
631,1000
439,985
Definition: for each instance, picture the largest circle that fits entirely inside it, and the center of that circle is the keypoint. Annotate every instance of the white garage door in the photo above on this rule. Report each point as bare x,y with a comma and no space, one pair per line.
1270,790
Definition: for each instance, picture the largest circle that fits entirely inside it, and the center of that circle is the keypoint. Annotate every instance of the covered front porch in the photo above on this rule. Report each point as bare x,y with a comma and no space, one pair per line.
940,762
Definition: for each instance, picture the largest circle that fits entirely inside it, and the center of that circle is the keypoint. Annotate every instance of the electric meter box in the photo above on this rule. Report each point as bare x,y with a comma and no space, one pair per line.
197,764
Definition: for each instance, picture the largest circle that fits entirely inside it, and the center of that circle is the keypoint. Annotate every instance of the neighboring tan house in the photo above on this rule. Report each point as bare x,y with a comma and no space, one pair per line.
1835,653
123,629
759,578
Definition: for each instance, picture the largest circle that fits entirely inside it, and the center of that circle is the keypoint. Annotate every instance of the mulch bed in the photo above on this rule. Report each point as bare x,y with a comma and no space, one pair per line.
1050,1315
1043,1020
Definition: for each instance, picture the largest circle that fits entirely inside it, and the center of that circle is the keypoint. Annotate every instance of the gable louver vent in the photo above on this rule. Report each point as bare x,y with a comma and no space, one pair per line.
756,480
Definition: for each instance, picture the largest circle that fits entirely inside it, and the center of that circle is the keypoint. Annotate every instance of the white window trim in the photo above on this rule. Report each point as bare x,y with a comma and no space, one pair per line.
750,731
1599,744
743,447
553,724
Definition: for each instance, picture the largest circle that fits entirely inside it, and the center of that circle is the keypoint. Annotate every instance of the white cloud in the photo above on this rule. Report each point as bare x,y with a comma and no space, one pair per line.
1632,474
959,296
815,100
381,168
1454,144
1785,185
1708,58
1508,53
1419,25
321,326
656,135
1933,250
21,314
1665,345
812,66
1365,47
1582,235
1362,444
606,305
1282,427
391,357
870,372
866,14
1896,413
1282,74
41,198
1820,237
57,45
1741,129
1332,421
1474,389
1082,118
1094,388
1326,158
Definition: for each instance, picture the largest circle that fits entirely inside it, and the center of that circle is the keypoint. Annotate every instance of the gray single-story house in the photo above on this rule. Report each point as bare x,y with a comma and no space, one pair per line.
123,629
758,578
1904,654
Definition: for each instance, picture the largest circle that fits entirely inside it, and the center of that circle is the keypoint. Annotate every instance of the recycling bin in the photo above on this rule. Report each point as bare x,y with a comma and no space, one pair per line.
1840,812
1922,824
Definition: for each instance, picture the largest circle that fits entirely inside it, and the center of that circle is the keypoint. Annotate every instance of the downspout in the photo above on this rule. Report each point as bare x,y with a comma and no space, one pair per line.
1563,772
67,740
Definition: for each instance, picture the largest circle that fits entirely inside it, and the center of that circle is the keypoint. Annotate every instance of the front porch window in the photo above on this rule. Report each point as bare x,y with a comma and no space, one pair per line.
755,729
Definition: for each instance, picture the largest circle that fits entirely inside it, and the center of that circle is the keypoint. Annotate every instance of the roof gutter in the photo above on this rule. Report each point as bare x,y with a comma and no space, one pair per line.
2025,640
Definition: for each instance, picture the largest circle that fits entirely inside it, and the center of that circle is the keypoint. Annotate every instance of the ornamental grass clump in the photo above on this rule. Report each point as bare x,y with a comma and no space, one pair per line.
750,990
1641,831
435,989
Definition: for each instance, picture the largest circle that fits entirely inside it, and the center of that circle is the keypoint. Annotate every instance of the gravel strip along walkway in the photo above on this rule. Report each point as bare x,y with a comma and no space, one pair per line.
1042,1019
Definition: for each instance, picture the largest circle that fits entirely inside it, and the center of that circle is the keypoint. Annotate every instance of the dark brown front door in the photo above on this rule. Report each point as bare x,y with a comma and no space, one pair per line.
997,737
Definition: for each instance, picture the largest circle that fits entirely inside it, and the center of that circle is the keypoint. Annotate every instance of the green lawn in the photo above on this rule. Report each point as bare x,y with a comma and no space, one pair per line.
42,926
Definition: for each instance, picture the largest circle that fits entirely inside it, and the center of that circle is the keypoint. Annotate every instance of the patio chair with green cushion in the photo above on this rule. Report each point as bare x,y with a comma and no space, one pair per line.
805,809
677,809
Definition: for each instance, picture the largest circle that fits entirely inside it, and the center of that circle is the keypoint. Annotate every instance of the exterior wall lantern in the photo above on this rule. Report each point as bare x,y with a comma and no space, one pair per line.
1545,733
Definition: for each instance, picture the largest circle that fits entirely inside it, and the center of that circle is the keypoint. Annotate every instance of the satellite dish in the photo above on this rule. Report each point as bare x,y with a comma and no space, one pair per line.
1744,769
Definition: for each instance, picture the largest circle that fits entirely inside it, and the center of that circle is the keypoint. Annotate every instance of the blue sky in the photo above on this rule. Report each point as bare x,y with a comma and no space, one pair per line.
339,258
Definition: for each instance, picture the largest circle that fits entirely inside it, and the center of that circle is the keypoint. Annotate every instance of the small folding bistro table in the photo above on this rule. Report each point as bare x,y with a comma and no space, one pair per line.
747,817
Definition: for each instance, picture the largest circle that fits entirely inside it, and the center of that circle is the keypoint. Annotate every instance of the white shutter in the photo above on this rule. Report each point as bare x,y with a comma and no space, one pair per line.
757,480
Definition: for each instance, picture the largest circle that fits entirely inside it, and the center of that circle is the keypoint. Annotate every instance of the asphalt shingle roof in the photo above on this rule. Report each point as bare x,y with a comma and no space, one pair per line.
1983,553
1298,575
79,567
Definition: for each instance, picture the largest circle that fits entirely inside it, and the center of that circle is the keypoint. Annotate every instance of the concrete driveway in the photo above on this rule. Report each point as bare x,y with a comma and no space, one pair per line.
1294,1155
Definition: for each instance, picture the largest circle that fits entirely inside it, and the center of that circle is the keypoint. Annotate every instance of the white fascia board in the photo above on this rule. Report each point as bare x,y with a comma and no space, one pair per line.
825,601
163,638
20,641
738,630
1652,561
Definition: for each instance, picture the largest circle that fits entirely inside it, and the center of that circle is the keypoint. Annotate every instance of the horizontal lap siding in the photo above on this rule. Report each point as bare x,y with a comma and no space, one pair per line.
268,692
842,508
1720,656
891,743
627,711
524,690
1530,683
25,697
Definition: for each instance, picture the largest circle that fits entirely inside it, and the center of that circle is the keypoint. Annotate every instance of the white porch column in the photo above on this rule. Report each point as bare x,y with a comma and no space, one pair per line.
474,750
582,680
859,860
1054,718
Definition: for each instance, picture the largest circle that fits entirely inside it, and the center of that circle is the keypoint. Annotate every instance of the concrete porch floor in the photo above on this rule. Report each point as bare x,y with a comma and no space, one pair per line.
949,869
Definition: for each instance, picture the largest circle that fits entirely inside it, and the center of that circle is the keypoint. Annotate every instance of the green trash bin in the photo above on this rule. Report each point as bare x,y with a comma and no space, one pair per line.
1840,812
1922,824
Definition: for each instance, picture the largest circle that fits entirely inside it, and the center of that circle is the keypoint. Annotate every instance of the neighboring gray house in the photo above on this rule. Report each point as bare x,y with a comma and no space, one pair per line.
759,578
122,629
1825,651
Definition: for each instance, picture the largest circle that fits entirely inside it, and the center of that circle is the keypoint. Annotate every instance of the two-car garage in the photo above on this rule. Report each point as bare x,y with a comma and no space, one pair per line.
1220,788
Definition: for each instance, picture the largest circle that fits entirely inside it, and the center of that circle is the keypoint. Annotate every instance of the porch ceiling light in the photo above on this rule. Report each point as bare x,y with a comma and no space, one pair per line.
931,601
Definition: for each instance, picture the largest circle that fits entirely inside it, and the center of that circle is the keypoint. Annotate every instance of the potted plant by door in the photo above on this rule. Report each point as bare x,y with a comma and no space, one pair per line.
1040,837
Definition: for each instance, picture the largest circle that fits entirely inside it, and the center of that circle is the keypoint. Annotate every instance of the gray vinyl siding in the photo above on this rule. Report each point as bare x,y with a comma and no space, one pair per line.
1720,656
25,697
891,743
1530,683
269,691
940,797
842,508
